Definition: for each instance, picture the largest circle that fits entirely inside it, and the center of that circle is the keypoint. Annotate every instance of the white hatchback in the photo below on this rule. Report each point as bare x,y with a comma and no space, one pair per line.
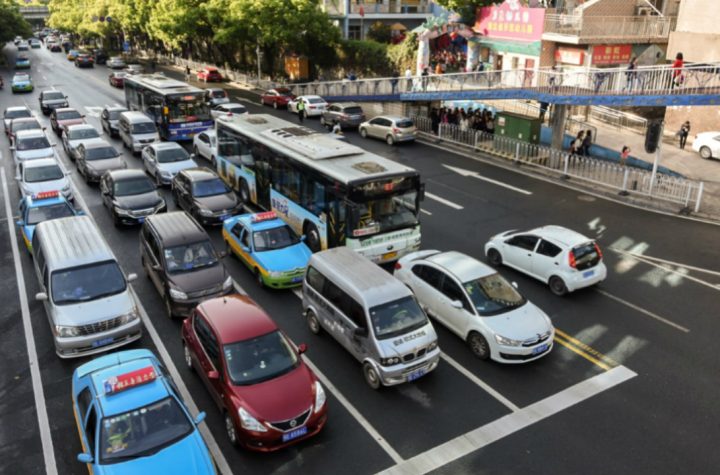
562,258
707,144
476,303
314,105
205,146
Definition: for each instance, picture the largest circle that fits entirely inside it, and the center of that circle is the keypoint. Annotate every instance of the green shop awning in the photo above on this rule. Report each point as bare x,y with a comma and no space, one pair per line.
518,47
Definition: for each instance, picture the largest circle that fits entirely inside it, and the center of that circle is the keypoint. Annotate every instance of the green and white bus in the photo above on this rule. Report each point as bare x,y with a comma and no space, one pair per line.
328,190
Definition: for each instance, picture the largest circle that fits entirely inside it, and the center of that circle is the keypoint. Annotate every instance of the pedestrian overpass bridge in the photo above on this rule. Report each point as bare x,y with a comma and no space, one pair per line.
644,86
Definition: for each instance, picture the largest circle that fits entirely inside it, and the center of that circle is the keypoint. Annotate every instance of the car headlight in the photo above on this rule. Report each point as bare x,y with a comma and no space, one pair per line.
319,396
165,174
160,205
178,294
393,360
507,341
130,316
205,212
121,211
275,274
432,346
66,331
248,422
228,283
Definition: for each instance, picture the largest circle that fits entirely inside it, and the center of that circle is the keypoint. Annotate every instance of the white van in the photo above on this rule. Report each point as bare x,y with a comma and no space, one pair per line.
372,314
137,130
85,293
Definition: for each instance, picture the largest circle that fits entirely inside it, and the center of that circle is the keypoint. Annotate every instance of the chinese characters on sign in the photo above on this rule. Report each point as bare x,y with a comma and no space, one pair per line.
611,54
510,21
570,56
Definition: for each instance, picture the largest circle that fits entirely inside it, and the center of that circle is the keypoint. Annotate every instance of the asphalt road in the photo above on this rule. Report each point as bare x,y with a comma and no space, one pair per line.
630,387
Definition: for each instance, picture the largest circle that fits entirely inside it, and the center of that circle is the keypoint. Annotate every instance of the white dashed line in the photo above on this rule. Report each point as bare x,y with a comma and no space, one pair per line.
443,201
643,311
463,172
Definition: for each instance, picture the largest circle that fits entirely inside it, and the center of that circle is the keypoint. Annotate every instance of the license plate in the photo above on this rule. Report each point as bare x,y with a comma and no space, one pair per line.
540,349
588,273
297,279
294,434
389,255
224,217
102,342
141,220
416,375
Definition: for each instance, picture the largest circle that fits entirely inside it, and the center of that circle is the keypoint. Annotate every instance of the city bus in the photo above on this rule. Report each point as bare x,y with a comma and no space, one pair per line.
329,191
178,109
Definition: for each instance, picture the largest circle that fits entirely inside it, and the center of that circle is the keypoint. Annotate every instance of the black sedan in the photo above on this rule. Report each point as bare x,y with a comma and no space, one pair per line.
84,60
130,196
200,192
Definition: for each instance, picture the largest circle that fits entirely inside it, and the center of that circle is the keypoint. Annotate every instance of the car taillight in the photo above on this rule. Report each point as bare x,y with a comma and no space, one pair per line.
571,260
344,116
398,265
395,130
312,107
597,249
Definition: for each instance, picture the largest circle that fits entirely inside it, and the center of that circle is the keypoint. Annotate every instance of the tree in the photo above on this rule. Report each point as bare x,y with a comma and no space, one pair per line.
380,32
466,8
12,23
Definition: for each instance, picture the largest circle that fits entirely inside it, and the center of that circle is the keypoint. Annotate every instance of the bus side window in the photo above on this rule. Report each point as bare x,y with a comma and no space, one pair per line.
313,196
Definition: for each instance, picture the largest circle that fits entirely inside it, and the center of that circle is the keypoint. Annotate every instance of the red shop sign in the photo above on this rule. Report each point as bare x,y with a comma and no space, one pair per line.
611,54
570,56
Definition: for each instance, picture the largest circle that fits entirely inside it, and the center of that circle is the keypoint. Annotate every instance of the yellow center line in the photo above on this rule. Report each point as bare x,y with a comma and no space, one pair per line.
581,349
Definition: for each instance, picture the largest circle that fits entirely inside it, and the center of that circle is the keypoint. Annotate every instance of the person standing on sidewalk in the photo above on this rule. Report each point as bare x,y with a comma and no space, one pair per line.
576,145
408,79
424,78
187,73
684,132
624,155
677,71
394,81
587,143
631,74
301,111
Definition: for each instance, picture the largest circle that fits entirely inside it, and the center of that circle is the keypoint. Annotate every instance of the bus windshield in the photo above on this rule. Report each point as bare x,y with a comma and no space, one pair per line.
384,213
188,107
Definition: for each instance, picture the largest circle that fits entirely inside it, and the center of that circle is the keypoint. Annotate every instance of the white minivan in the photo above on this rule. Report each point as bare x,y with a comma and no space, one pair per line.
137,130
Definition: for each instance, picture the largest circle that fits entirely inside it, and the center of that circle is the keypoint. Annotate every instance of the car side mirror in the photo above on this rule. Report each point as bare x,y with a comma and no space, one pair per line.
200,417
192,156
20,222
514,284
41,296
360,332
303,238
12,148
213,375
82,116
18,177
456,304
156,267
302,348
222,254
81,213
85,458
53,144
132,277
44,128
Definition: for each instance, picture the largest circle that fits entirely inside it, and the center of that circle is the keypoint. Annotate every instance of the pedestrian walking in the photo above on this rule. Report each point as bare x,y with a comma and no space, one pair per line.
187,73
490,123
425,74
624,155
408,80
394,81
677,71
152,65
543,110
587,143
301,111
684,132
631,74
576,145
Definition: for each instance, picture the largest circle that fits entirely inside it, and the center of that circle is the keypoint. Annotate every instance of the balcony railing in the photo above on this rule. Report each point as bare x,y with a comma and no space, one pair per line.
391,7
610,27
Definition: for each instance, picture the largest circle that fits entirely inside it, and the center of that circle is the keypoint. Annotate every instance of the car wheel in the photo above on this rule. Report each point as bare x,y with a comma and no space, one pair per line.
258,277
557,286
188,357
145,267
479,345
371,376
213,162
116,219
705,153
494,257
390,140
312,237
322,121
313,322
230,429
158,183
244,192
195,151
275,105
168,308
363,133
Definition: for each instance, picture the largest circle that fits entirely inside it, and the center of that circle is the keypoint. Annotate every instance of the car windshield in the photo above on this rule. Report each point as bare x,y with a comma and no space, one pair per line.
396,317
119,75
115,115
33,143
19,125
43,213
385,214
16,114
21,77
100,153
187,108
493,294
143,128
143,431
79,134
353,110
91,282
274,238
236,109
218,94
46,173
172,155
51,96
316,100
260,359
133,186
68,115
283,91
215,186
190,257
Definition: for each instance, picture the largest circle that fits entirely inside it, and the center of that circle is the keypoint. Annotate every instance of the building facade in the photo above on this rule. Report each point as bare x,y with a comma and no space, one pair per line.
355,17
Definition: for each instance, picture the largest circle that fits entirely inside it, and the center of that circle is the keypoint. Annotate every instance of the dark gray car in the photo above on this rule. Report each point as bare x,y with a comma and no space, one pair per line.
130,195
202,193
347,114
109,119
52,99
96,158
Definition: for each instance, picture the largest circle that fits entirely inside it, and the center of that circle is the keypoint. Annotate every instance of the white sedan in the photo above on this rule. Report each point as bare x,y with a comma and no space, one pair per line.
205,145
707,144
477,304
228,109
564,259
77,134
314,105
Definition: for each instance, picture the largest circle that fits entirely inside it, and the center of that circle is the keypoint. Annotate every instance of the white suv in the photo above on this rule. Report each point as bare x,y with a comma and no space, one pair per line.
564,259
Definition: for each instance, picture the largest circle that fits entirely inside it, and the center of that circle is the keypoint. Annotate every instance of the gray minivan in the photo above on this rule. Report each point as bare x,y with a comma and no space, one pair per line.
370,313
86,295
137,130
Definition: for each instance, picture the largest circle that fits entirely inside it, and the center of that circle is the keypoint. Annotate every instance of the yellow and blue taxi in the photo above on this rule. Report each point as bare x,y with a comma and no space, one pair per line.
40,207
268,247
72,54
22,62
132,421
22,82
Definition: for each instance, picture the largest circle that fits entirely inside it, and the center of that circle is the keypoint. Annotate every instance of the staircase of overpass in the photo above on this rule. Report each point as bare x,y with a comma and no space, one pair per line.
645,86
35,12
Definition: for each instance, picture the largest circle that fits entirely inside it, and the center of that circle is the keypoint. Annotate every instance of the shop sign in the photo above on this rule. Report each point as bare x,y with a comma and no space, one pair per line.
570,56
611,54
510,20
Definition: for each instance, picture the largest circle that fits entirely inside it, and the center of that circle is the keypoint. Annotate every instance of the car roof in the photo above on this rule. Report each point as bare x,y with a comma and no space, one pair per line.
281,90
79,126
166,146
127,174
115,108
232,104
73,241
97,143
17,108
65,109
50,90
311,96
20,120
462,266
392,117
23,134
40,162
199,173
215,89
236,318
345,105
560,235
263,225
210,68
176,228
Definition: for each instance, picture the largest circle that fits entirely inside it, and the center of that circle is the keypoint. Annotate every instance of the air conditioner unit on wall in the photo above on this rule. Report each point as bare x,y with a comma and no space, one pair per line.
644,11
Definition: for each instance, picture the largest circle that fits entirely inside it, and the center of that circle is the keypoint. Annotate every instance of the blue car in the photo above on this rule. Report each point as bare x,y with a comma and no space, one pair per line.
42,207
132,421
22,62
22,82
268,247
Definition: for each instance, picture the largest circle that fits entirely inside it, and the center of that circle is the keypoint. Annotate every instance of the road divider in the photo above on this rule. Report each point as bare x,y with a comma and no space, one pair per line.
585,351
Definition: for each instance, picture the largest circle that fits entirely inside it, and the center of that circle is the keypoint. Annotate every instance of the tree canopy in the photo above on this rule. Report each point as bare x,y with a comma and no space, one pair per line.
466,8
12,23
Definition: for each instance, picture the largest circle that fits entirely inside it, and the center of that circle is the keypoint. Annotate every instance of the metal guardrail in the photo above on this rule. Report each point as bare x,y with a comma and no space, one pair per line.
610,27
619,119
624,179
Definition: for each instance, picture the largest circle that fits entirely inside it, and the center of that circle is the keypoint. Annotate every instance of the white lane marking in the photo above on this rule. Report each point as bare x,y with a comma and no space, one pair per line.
38,394
425,212
483,436
652,261
463,172
443,201
93,111
242,99
642,310
214,448
465,372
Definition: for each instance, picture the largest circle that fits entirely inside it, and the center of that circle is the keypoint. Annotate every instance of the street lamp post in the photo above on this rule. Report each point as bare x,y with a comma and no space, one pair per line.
259,53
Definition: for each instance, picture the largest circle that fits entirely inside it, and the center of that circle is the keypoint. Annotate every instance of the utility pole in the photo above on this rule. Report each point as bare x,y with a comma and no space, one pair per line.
259,53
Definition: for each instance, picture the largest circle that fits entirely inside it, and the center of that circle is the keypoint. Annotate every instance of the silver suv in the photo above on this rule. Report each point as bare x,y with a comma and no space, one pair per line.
390,128
347,114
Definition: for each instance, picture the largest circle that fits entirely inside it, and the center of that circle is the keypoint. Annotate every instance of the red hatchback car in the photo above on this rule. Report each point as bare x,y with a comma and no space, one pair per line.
209,74
269,397
61,118
278,97
117,79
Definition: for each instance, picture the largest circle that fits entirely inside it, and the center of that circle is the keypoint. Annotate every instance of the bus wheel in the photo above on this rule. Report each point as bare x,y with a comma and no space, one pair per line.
244,192
312,237
213,162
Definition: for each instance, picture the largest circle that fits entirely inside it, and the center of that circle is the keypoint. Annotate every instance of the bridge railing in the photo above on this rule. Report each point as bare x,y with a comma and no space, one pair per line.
611,27
624,179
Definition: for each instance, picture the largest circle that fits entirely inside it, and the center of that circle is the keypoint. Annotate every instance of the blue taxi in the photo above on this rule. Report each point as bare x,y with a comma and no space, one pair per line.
132,421
268,247
22,62
41,207
21,82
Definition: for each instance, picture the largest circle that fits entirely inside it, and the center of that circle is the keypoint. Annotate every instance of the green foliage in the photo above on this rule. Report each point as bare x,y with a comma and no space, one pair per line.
379,32
403,55
12,24
466,8
365,58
